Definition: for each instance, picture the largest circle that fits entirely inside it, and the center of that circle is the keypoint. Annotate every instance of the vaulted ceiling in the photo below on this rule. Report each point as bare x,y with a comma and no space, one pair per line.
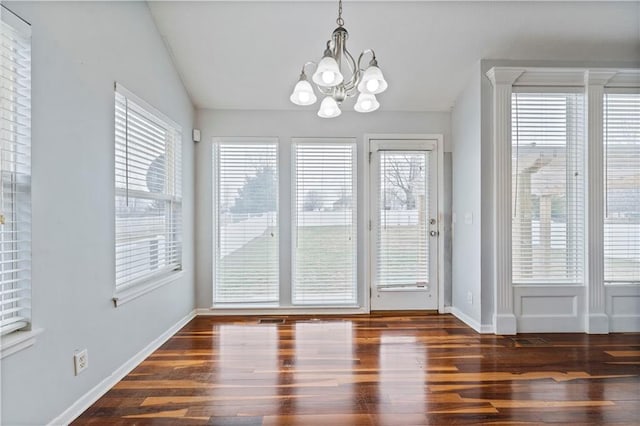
247,55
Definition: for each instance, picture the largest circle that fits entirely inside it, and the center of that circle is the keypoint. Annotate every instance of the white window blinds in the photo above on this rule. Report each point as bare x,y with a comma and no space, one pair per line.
403,209
324,222
548,187
245,221
15,174
148,199
622,187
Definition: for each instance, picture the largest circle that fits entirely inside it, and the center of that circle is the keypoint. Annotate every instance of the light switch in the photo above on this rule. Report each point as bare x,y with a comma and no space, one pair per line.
468,218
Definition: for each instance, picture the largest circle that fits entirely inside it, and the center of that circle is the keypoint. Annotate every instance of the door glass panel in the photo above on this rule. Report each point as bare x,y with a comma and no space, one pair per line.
403,209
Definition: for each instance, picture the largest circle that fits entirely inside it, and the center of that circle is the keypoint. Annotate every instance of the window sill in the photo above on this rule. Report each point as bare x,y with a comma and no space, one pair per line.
127,295
403,289
17,341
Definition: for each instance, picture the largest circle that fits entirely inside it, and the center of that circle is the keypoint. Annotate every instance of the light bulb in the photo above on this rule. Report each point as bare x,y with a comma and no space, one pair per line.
372,85
329,108
303,93
366,103
328,77
372,81
327,73
304,97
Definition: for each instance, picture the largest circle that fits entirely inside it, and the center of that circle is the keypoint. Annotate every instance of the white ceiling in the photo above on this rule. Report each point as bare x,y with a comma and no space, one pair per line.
247,55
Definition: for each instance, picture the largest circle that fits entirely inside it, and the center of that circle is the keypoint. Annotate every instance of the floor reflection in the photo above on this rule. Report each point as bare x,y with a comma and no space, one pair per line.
247,370
401,365
323,359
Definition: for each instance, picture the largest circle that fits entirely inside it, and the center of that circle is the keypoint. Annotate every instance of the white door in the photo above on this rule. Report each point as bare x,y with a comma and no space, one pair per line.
404,228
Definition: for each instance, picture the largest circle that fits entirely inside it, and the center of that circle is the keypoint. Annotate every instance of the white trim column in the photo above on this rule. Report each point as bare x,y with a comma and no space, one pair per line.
596,319
502,80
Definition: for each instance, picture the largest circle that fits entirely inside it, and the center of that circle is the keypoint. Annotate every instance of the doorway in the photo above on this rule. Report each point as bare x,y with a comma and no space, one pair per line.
404,224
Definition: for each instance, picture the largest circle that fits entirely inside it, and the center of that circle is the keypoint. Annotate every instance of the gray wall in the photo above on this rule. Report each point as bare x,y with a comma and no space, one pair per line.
79,50
285,125
466,204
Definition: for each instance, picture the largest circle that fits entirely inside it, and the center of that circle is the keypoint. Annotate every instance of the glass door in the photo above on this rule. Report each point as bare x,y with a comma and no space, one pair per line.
404,228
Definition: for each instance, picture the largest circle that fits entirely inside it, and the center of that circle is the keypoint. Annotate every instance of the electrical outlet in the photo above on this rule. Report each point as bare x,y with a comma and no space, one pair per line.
80,361
470,298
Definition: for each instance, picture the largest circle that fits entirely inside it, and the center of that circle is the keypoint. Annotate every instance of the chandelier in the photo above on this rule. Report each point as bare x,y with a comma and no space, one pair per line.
338,76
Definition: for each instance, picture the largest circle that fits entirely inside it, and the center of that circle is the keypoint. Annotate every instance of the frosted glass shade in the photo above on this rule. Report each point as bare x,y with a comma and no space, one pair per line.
328,73
373,81
366,103
303,94
329,108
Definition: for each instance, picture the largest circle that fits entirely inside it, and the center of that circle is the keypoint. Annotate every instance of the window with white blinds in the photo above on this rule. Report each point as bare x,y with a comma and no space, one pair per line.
245,193
548,188
402,249
148,198
15,174
324,222
622,188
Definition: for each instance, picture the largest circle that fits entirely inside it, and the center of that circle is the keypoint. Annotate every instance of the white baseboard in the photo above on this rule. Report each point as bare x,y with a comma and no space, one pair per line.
78,407
217,311
480,328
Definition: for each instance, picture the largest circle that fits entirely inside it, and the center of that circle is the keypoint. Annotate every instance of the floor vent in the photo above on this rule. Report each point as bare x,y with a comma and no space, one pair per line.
530,341
271,321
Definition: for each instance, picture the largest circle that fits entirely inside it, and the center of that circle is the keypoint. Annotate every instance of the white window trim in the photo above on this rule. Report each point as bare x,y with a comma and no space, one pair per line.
323,141
17,341
366,193
136,290
23,338
139,288
602,152
593,81
145,105
214,224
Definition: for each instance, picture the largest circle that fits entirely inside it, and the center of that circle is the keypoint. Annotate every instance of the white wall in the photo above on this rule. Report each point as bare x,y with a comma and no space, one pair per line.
79,50
466,204
285,125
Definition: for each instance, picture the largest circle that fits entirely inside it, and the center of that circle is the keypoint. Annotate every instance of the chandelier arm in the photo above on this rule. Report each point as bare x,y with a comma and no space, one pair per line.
352,91
326,91
364,52
355,74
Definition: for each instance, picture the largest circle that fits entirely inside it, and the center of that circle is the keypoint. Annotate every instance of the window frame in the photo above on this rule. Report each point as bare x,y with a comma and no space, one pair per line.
22,334
581,147
605,175
354,303
586,307
215,192
135,288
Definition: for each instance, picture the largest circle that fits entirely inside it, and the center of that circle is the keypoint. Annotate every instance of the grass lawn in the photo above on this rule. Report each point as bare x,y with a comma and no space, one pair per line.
324,259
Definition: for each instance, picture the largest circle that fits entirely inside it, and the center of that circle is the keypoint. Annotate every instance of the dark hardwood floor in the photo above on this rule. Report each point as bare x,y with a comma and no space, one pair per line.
375,370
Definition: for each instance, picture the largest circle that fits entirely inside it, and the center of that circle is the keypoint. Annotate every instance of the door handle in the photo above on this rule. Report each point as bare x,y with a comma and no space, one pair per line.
434,233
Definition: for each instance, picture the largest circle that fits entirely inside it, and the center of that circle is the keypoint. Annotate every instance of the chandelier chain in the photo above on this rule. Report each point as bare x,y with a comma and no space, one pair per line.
340,21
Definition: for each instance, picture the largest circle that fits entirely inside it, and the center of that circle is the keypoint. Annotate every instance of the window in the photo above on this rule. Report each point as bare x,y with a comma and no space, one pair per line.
403,211
324,222
548,188
622,188
245,221
148,194
15,175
